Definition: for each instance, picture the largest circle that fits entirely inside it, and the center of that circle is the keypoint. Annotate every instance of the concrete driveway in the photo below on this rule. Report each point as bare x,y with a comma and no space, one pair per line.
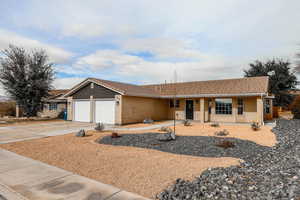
29,131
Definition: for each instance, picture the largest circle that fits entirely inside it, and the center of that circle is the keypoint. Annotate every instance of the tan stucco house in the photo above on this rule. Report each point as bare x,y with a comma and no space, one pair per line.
229,100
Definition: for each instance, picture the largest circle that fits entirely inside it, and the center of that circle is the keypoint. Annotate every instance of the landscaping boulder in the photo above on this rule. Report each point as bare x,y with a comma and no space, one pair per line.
222,133
80,133
166,129
166,136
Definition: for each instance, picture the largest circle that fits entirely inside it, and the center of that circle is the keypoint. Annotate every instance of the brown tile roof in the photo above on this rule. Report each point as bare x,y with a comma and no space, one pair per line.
126,88
249,85
57,92
226,86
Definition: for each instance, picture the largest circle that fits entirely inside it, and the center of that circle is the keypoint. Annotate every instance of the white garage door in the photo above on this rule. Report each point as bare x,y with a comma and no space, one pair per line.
105,111
82,111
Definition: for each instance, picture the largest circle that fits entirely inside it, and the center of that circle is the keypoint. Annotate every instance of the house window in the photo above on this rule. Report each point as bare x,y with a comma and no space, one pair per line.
177,103
53,106
224,106
267,106
240,106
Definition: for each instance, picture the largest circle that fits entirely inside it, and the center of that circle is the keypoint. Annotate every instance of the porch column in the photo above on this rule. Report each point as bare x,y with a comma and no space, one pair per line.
92,109
202,111
259,110
70,108
118,109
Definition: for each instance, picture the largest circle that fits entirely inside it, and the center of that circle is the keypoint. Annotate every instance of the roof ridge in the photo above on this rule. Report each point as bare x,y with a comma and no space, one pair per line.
228,79
114,81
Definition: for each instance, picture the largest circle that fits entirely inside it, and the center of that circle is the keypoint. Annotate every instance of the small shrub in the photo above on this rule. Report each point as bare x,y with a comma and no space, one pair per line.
187,123
255,126
222,133
99,127
225,144
115,135
215,124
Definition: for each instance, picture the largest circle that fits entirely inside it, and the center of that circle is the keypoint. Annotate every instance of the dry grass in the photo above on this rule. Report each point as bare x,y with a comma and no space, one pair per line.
142,171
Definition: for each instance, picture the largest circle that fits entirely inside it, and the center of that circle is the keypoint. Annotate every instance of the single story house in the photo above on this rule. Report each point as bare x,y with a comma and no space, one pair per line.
229,100
54,104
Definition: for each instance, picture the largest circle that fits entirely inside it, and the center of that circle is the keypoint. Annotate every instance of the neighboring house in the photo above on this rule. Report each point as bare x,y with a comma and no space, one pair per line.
54,104
231,100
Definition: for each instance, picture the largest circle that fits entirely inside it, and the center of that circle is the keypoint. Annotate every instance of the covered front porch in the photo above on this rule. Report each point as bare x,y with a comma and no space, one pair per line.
223,109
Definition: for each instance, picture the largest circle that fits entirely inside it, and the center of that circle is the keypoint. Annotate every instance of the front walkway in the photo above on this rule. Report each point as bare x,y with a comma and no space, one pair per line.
22,178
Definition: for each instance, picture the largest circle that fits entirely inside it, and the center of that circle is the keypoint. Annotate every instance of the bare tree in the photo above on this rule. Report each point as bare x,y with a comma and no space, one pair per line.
26,77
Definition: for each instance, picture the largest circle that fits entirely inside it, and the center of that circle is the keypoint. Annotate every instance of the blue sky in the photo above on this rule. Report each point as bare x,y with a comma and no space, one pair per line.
142,41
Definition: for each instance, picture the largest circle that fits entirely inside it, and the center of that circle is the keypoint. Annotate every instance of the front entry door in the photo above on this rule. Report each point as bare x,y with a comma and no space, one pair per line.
189,109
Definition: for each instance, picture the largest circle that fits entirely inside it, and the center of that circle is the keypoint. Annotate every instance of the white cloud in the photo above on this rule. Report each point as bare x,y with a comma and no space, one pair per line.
66,83
134,67
203,39
56,54
162,48
106,58
82,30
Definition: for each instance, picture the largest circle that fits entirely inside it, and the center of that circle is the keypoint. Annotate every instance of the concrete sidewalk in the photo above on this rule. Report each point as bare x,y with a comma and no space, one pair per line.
24,178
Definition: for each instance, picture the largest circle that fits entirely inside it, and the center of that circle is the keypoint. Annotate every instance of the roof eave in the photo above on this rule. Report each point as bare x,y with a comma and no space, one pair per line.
215,95
84,83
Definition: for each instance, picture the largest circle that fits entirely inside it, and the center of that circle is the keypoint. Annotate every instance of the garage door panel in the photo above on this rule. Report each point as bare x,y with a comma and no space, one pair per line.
105,111
82,111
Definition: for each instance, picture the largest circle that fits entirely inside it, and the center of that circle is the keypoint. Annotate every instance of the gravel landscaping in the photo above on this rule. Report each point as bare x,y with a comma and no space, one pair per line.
270,174
267,173
203,146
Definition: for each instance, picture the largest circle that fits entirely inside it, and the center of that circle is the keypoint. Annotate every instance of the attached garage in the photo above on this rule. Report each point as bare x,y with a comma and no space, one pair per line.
93,103
105,111
82,111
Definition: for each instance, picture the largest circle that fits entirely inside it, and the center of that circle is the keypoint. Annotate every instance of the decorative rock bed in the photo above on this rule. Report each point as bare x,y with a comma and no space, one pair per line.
272,174
267,173
203,146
